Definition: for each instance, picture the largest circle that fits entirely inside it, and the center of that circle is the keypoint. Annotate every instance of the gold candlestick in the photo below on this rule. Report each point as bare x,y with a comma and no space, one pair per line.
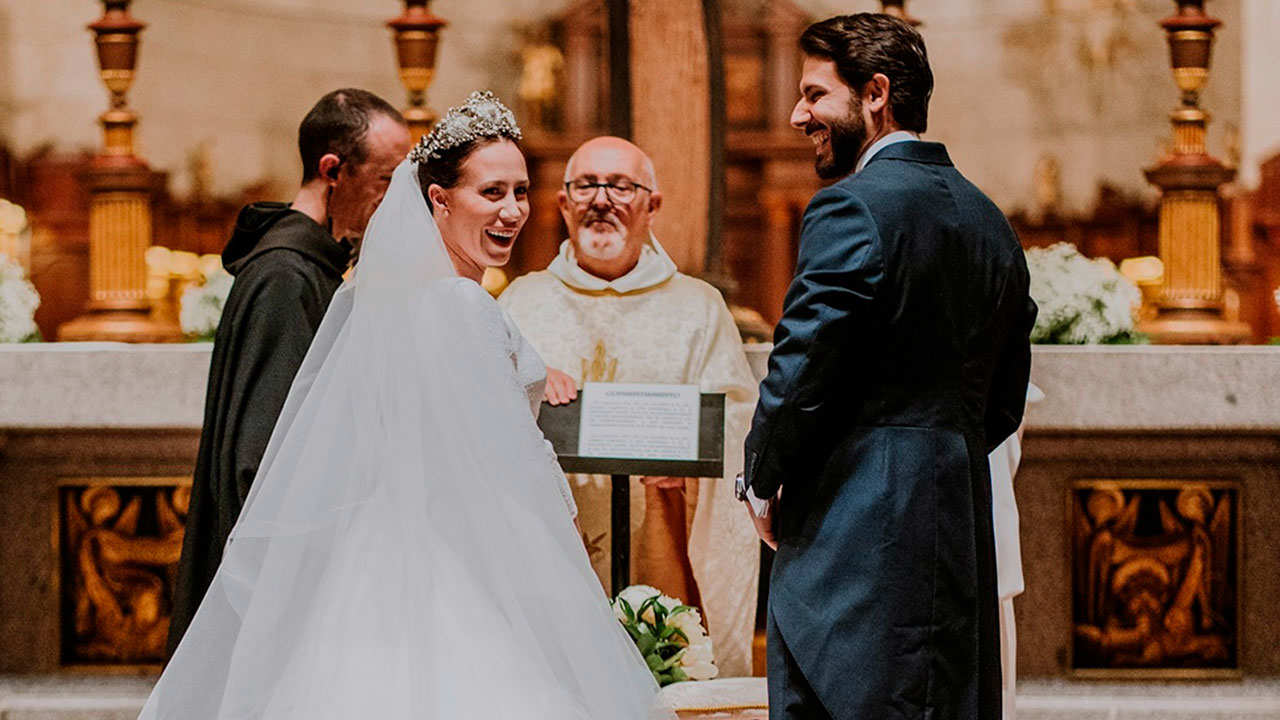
417,35
1190,307
119,184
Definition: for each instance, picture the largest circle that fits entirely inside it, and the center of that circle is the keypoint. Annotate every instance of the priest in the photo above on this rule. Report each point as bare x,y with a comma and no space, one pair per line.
612,307
288,261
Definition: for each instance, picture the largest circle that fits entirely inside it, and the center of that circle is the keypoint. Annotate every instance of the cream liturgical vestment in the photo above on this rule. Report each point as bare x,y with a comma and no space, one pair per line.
656,325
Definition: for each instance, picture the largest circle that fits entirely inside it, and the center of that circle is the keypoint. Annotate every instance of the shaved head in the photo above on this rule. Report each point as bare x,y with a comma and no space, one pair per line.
609,235
613,148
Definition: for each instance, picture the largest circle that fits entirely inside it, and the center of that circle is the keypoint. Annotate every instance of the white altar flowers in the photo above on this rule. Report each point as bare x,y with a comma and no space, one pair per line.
202,304
18,303
668,633
1082,301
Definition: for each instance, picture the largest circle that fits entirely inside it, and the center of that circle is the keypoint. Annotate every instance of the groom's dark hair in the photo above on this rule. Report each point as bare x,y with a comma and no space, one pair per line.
864,44
338,124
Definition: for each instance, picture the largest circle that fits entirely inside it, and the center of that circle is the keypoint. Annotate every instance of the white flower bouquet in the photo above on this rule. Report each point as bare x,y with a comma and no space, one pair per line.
668,633
1082,301
18,303
202,304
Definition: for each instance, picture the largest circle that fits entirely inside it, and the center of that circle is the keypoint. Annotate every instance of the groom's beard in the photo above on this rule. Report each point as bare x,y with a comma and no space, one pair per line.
847,138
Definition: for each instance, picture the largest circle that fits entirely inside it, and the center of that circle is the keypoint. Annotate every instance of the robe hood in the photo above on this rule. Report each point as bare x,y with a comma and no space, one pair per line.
652,269
270,225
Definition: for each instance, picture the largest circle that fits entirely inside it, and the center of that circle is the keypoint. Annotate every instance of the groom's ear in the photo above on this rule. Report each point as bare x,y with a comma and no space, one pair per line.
875,93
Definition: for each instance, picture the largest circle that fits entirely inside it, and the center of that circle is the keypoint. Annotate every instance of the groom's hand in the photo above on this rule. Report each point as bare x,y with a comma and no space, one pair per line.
764,522
561,389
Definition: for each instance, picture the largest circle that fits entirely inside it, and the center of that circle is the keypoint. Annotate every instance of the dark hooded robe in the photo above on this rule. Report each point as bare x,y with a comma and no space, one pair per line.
287,268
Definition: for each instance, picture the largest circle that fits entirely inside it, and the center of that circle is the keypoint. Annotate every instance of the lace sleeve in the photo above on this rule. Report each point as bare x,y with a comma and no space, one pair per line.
528,372
565,491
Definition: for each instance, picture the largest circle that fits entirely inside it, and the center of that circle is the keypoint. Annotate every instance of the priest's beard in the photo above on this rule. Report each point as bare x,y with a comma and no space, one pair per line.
602,244
847,137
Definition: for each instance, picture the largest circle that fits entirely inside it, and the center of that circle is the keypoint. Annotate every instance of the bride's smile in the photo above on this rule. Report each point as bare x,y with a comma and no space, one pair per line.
502,236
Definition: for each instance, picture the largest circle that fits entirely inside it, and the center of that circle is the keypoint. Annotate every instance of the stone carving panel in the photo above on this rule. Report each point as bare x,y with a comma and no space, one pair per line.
1155,573
119,543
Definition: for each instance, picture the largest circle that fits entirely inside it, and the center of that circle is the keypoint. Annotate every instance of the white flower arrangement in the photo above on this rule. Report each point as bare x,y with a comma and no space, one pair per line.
18,303
1082,301
668,633
202,304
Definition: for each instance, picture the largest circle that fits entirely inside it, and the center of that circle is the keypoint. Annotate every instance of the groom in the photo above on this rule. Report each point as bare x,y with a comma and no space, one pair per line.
901,360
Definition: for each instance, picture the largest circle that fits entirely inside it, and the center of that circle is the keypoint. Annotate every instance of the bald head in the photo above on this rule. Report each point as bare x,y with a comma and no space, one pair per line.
616,153
609,215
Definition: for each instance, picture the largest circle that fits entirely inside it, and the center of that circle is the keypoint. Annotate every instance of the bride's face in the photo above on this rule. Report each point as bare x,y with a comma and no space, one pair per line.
480,217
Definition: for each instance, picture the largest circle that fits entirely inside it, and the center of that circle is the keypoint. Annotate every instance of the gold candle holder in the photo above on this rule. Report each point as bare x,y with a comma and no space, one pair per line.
119,184
417,35
116,40
898,9
1190,308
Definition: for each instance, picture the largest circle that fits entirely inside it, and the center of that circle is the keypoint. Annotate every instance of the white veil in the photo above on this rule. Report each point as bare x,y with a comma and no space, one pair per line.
404,551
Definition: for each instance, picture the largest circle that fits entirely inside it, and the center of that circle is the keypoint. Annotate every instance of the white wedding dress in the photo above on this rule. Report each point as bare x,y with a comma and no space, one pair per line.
406,551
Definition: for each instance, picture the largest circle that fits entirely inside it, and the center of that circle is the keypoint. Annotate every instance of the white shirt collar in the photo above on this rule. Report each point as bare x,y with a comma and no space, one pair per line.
896,136
652,269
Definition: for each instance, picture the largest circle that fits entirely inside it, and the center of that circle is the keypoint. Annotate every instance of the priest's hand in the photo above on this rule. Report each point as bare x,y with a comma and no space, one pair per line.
561,389
663,482
764,521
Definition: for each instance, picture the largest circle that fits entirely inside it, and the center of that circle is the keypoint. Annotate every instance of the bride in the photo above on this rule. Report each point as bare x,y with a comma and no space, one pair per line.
406,550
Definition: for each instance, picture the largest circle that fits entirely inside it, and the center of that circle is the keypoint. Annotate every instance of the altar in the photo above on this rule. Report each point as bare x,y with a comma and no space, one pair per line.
97,443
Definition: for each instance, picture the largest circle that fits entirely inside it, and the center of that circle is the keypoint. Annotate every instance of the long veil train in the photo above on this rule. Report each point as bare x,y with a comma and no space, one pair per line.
404,551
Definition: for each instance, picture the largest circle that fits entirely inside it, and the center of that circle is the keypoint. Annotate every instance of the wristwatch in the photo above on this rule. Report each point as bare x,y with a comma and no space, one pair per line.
740,487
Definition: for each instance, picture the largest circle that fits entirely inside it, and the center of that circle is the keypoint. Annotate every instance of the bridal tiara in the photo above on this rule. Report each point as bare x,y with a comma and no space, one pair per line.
482,116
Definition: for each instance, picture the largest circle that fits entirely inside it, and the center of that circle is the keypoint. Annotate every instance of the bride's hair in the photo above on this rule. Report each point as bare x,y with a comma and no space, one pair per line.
440,155
447,171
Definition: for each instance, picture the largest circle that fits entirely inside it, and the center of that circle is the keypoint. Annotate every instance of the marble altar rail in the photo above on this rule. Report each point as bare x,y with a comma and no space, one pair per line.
102,385
1101,388
1134,388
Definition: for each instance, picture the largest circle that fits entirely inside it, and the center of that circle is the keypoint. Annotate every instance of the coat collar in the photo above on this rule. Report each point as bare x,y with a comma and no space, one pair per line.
920,151
896,136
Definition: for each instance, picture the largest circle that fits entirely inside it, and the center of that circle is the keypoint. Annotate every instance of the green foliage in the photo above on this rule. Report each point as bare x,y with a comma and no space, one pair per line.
660,643
1128,338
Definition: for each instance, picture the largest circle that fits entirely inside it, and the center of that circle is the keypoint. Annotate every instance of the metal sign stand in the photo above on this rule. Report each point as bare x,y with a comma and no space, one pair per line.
560,424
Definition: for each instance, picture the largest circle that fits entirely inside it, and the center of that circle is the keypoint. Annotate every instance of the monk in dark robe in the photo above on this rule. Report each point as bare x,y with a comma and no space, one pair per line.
288,260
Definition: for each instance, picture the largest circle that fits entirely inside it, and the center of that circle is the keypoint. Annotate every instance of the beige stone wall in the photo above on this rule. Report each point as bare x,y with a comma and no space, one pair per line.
1260,95
1084,80
236,74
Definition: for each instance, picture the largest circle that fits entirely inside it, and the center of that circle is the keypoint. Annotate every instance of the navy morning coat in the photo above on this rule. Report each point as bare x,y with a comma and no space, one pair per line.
901,359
